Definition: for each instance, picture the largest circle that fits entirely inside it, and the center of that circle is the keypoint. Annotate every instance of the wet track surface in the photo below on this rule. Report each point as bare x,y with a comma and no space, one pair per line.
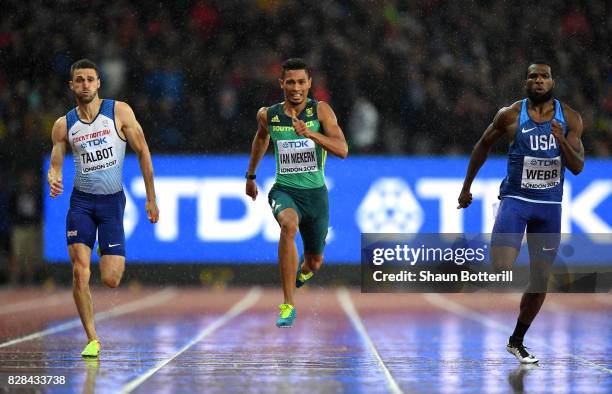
224,341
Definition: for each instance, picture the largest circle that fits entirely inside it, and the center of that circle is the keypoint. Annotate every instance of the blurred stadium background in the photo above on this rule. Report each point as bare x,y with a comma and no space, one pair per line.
414,84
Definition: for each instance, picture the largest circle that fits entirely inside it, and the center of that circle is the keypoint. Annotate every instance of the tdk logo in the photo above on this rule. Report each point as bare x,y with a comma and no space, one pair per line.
296,144
544,162
96,142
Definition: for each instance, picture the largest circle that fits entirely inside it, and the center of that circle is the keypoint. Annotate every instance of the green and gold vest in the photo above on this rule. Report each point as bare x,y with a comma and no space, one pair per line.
300,162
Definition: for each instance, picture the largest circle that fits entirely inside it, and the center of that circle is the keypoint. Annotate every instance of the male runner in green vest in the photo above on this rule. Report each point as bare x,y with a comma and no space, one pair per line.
302,132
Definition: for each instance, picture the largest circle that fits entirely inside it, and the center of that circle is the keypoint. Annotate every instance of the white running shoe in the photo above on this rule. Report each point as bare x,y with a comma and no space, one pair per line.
521,354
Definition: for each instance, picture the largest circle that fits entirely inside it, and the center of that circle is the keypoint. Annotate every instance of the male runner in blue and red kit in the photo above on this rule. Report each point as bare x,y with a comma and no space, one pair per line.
97,131
545,138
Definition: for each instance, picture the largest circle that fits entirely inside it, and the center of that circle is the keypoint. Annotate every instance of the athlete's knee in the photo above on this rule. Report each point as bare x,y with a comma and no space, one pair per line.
500,265
289,227
502,258
112,277
111,281
80,274
538,283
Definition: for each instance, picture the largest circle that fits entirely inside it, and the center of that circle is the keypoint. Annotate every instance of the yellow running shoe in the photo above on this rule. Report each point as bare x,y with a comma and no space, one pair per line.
301,278
92,349
286,317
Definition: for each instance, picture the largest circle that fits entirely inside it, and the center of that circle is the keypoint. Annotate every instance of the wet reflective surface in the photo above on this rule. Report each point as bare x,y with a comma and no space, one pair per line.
192,340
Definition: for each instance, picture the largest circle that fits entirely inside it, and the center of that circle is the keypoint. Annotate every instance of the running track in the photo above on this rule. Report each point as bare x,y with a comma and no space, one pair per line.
179,340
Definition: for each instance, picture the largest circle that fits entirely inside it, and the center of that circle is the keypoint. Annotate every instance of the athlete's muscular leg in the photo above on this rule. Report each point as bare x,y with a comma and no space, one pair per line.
287,251
111,269
530,306
312,262
507,234
534,296
502,258
80,255
540,262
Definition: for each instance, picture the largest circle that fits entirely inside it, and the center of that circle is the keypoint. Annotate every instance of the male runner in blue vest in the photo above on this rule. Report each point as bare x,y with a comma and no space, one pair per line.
97,131
545,137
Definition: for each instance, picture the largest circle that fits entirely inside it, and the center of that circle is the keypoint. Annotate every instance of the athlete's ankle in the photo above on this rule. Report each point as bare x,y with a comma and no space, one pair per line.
515,341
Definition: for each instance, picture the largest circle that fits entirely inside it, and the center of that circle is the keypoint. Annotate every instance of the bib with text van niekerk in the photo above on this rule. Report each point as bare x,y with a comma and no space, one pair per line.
296,156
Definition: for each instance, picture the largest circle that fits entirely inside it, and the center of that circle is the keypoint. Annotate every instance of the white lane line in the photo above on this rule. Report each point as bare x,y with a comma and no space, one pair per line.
463,311
347,304
46,301
137,305
248,301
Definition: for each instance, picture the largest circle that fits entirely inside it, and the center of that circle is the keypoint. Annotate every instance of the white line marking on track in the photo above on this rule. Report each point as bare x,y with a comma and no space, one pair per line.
48,300
347,304
248,301
463,311
143,303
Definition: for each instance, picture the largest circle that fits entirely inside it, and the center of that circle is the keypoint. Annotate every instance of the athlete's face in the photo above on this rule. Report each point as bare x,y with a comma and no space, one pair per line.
295,85
85,84
539,83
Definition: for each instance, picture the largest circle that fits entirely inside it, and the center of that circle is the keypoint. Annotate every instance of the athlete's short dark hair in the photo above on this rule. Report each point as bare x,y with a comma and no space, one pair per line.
295,63
83,63
540,61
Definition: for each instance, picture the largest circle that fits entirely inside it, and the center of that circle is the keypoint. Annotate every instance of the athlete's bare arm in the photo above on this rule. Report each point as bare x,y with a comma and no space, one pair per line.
572,150
59,136
332,140
258,149
501,125
131,129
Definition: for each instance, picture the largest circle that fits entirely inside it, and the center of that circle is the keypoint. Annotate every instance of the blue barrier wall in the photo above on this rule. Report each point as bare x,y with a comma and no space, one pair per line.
206,217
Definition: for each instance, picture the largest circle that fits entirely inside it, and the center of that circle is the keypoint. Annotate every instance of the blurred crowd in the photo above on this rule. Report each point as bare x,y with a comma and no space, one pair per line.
404,77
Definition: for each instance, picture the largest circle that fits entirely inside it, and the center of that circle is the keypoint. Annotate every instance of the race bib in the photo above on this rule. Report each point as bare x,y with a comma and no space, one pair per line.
296,156
98,159
541,173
